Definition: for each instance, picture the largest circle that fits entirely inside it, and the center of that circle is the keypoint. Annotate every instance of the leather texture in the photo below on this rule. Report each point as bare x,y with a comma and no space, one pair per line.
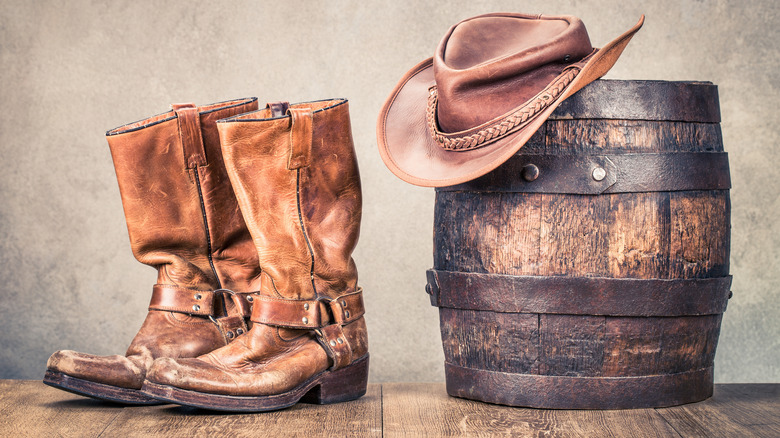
492,82
495,62
184,220
296,179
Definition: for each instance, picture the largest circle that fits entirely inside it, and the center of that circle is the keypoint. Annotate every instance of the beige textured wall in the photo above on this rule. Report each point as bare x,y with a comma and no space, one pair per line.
70,70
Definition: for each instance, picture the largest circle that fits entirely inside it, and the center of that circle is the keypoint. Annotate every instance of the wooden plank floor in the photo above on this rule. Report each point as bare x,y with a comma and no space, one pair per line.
29,408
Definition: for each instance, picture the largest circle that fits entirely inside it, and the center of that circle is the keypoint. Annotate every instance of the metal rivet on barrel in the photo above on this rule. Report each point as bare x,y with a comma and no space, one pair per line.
346,314
196,307
230,335
198,296
305,320
599,173
343,303
240,331
341,341
530,172
250,298
333,343
305,306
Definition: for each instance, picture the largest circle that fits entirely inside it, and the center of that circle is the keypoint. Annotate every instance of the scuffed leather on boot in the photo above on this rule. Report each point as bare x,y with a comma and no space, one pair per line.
169,334
296,180
163,334
125,372
184,220
267,360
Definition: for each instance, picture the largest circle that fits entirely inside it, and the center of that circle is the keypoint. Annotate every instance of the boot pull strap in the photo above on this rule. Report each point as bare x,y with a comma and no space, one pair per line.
300,138
278,109
190,134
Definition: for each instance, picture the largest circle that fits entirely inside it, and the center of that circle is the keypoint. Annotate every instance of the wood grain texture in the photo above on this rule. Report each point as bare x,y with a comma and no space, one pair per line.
496,341
470,227
509,229
414,410
639,235
648,346
701,234
734,410
32,409
574,236
29,408
520,234
571,345
629,136
359,418
578,346
623,235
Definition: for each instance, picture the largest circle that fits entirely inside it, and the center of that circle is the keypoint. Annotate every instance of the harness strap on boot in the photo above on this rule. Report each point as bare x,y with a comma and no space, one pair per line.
182,300
335,344
325,317
170,298
307,314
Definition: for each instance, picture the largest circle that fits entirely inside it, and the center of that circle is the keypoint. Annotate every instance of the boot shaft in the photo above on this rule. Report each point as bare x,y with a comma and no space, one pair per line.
182,216
296,177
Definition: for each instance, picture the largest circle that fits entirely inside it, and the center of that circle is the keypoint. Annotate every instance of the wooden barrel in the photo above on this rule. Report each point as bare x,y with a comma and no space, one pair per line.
591,270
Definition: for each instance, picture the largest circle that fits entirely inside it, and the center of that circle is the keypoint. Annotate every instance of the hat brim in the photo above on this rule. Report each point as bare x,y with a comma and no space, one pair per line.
411,153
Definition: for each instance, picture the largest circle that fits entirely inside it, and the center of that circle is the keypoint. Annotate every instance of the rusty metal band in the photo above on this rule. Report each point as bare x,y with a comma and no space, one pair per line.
643,100
598,174
566,392
578,295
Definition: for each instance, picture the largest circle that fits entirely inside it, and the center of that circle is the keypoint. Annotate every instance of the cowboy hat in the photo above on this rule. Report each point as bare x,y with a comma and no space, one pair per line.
491,84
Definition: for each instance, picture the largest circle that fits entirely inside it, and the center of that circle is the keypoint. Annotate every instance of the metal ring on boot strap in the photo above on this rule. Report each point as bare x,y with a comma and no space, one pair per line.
240,300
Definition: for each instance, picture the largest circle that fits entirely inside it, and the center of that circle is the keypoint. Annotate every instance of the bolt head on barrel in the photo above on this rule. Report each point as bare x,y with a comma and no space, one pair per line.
530,172
599,174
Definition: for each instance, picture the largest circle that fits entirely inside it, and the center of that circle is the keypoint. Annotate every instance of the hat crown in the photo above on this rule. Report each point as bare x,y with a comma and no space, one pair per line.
488,65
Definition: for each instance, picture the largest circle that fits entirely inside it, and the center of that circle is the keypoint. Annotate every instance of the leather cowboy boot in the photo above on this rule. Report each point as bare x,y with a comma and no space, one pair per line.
297,182
184,220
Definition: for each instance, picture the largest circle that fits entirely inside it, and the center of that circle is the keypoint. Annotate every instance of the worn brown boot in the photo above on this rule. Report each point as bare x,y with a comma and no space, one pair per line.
297,182
184,220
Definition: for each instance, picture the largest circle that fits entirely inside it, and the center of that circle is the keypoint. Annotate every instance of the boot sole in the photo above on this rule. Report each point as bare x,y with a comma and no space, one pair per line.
96,390
345,384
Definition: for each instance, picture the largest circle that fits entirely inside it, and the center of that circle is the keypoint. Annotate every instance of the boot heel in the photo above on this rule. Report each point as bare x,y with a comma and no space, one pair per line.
348,383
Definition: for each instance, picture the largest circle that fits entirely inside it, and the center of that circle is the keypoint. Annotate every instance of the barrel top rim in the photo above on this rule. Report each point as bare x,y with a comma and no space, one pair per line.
655,81
652,100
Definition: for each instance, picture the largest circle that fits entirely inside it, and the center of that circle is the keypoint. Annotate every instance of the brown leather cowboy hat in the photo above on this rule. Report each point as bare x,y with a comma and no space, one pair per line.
492,83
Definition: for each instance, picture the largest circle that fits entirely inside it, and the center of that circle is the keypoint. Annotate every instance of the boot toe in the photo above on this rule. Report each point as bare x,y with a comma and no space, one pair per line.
110,370
192,374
